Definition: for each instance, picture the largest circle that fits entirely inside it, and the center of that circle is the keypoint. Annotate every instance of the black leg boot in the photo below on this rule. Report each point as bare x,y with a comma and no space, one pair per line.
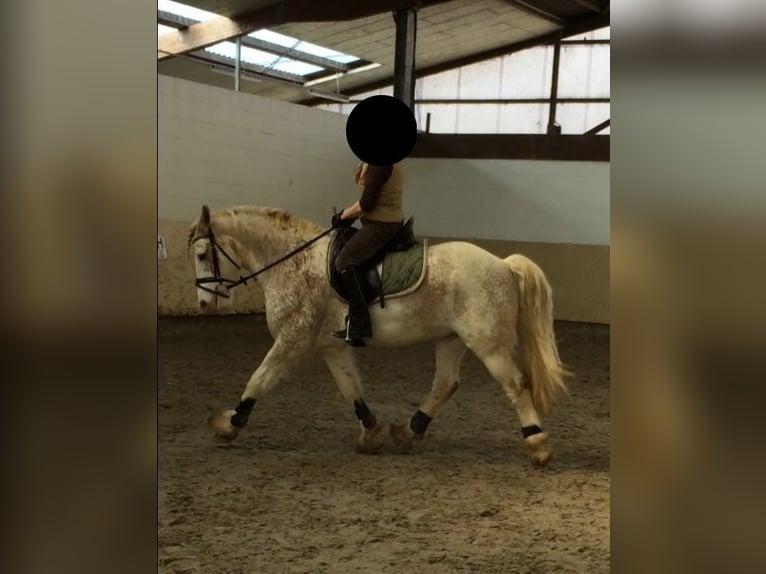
358,325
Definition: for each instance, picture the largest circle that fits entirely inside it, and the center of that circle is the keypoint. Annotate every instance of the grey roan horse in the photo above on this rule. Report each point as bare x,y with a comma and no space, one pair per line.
501,309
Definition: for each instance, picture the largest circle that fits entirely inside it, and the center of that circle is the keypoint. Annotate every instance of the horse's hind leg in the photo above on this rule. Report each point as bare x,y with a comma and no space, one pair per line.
344,371
502,367
449,354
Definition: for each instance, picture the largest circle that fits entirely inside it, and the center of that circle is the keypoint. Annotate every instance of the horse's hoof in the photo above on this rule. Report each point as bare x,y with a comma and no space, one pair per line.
540,460
220,424
402,436
539,455
370,441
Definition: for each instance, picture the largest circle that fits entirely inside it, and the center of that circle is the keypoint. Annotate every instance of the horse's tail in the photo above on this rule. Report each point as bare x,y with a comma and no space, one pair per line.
537,353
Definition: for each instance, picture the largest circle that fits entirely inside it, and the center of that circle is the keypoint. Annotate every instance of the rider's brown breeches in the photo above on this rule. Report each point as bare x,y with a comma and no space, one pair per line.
367,242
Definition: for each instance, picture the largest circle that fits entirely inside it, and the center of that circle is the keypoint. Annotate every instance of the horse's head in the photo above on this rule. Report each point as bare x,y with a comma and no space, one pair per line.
213,263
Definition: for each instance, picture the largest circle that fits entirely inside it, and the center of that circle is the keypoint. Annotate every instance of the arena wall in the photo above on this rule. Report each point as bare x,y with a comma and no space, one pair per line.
223,148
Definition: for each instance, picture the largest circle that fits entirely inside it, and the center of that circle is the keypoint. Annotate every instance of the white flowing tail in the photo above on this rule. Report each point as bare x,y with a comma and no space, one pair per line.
537,353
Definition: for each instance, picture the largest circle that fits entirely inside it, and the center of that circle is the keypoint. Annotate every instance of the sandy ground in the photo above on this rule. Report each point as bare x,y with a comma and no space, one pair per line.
292,495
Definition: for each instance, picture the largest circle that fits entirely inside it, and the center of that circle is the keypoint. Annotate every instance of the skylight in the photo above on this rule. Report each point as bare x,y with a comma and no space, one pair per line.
253,56
185,11
260,58
248,55
303,46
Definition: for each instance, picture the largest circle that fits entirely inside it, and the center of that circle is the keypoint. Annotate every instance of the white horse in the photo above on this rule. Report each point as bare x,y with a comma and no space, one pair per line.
501,309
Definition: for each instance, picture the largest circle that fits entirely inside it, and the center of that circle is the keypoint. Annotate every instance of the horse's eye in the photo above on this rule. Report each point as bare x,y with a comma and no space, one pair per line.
201,256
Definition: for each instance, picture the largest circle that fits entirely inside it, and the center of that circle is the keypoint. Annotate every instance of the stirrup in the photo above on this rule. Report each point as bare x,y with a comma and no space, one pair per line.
345,334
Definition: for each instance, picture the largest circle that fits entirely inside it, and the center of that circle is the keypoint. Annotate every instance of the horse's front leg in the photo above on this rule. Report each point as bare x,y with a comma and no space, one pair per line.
341,364
227,424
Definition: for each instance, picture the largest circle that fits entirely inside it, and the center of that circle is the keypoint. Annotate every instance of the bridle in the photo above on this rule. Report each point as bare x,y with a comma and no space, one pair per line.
216,278
219,280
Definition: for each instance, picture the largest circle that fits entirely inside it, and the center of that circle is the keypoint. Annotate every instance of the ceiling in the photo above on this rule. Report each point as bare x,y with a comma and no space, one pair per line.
449,34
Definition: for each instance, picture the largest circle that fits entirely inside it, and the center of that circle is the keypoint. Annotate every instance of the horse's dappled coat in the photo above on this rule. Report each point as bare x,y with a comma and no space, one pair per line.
500,309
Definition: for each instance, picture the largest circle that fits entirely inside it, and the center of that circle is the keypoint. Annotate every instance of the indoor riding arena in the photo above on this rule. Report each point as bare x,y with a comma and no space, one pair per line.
512,105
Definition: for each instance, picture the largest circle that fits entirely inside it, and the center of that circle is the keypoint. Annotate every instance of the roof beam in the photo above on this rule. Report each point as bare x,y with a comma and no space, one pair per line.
174,20
182,23
480,101
204,34
590,5
535,10
513,146
576,27
603,42
602,126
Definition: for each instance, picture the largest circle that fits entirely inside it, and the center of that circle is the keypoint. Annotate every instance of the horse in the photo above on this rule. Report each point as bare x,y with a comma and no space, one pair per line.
500,309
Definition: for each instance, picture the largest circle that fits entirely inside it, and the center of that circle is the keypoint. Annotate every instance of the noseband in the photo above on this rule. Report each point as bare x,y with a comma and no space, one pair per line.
217,279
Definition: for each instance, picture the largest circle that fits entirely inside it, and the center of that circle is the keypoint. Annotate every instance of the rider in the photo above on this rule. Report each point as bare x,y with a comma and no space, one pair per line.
380,211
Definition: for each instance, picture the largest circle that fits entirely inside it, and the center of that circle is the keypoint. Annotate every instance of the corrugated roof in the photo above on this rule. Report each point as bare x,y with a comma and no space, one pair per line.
447,32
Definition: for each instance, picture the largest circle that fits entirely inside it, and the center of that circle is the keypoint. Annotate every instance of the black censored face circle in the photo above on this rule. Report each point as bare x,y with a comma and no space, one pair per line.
381,130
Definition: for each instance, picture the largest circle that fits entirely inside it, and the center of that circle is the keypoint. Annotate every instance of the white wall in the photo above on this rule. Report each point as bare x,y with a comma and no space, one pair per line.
224,148
513,200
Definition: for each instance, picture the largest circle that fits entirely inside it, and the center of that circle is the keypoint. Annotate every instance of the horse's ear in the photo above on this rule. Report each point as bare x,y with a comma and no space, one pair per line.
205,215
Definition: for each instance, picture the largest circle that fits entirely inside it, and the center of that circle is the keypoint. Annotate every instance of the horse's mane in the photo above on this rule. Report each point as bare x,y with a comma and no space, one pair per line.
280,218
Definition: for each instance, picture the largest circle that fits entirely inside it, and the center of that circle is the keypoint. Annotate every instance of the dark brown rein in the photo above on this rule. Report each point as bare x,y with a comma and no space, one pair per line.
216,278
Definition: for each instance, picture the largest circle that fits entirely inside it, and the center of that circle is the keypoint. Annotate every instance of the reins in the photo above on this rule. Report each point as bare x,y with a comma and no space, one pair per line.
243,279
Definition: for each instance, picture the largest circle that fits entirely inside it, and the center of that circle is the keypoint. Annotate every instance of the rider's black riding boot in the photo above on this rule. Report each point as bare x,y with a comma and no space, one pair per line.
358,326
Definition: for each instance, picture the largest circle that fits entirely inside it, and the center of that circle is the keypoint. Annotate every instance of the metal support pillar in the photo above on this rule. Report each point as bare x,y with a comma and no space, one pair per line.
404,56
554,128
237,60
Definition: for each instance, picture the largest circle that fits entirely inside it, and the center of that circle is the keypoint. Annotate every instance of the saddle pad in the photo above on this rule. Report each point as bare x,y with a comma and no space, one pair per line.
400,272
403,271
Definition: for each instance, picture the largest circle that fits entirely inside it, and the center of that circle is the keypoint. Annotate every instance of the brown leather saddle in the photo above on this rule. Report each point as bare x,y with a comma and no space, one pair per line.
372,286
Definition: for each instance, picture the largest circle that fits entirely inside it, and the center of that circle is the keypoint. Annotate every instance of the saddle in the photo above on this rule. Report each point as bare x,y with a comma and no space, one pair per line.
376,283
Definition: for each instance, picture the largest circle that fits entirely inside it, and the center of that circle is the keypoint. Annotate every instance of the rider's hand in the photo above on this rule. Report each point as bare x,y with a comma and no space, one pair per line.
336,221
